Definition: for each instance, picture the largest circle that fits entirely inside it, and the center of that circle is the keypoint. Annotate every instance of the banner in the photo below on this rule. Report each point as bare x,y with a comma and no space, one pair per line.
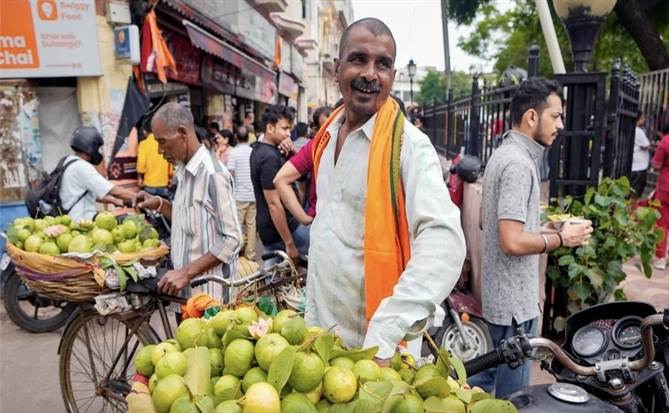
48,38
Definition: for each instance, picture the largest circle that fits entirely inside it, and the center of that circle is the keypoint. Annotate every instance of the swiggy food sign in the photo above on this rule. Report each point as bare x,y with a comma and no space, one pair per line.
48,38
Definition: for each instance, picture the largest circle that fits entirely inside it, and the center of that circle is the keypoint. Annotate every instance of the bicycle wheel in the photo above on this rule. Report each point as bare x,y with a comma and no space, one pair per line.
97,361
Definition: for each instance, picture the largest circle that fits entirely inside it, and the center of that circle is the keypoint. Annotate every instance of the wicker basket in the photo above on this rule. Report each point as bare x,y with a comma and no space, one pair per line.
70,279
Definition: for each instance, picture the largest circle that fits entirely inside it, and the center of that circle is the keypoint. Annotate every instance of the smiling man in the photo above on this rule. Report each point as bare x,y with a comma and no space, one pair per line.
386,243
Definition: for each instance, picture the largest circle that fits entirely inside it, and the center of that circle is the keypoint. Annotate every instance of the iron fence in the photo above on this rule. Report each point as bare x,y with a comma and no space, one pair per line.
598,138
654,100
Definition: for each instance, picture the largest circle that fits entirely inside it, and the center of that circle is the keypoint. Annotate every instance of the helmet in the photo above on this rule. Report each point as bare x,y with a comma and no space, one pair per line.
468,168
88,140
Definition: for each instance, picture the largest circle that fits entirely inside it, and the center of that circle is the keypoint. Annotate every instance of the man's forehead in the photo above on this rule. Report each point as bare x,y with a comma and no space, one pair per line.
366,39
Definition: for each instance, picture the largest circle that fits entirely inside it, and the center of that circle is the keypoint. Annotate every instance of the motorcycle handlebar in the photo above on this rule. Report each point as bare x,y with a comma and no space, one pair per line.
484,362
496,357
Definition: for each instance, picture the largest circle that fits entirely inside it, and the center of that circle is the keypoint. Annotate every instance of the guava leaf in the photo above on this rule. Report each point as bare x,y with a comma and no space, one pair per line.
376,390
324,345
122,277
281,367
232,335
435,386
494,406
459,368
447,405
106,262
356,354
364,406
444,362
132,272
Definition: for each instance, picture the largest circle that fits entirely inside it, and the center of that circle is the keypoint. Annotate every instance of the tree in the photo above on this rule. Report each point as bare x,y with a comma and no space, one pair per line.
639,36
433,87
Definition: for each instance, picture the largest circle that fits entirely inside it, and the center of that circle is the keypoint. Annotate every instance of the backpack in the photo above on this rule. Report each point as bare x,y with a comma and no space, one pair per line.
44,198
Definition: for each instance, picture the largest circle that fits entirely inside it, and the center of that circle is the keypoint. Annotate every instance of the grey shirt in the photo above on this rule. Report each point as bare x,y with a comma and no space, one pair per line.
509,285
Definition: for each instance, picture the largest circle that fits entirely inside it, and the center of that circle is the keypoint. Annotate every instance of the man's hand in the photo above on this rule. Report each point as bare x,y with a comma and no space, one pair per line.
576,234
286,146
292,251
173,282
382,362
146,201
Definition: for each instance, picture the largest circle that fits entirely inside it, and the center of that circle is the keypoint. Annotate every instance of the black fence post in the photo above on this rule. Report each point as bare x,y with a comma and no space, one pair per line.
611,136
435,138
473,147
533,61
448,116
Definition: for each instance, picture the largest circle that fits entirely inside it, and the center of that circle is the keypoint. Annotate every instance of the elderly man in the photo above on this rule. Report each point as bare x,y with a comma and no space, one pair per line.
386,243
205,234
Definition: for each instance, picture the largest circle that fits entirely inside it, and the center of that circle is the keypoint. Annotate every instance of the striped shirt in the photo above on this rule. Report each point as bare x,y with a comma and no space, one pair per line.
239,163
204,218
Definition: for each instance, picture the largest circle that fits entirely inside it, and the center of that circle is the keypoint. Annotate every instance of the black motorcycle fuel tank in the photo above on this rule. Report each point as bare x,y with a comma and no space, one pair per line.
538,399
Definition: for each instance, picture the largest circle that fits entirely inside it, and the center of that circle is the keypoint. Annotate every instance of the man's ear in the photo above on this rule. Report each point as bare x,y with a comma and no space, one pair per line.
181,129
531,117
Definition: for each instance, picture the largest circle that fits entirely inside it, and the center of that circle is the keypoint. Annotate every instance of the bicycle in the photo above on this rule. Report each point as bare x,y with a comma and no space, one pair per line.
97,352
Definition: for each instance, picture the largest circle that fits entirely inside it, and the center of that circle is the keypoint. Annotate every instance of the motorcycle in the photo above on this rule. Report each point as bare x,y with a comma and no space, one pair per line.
28,309
464,332
613,360
37,313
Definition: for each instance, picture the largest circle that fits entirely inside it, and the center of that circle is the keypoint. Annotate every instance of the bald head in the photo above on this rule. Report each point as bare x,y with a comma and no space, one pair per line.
172,115
371,24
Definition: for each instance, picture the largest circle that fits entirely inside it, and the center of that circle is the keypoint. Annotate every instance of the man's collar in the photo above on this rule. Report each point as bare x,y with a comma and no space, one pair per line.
367,128
533,147
194,164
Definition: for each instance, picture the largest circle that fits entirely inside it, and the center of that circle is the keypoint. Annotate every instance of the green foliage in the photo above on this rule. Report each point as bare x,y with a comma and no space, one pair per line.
592,273
433,86
505,37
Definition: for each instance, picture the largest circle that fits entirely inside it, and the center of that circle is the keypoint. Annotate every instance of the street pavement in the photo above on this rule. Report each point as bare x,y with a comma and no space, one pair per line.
29,363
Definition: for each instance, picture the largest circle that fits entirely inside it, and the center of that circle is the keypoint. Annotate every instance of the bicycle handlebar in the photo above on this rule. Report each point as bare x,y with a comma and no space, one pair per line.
497,357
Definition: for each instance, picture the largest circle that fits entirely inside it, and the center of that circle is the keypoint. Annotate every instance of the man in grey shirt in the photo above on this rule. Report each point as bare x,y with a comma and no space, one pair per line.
513,236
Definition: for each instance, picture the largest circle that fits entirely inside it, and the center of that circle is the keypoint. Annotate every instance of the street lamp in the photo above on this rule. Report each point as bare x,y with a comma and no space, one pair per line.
411,68
582,19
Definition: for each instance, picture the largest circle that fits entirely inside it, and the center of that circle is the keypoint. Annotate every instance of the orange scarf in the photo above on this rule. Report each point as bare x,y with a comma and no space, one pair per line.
386,244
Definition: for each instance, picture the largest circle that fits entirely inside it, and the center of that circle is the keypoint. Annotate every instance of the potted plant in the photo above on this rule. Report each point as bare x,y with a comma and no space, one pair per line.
592,273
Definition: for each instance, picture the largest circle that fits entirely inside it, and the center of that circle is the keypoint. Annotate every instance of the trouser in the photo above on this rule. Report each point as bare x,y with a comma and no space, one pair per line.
638,182
246,214
300,238
502,379
161,191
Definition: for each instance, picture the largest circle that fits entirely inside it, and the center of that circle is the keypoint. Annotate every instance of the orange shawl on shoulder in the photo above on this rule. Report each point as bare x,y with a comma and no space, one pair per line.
387,247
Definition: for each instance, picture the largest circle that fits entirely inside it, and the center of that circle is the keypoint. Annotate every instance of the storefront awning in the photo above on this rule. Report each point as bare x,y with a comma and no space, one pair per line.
210,44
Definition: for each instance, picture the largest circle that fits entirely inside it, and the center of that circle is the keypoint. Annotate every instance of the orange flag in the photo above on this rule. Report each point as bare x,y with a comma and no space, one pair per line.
160,55
277,52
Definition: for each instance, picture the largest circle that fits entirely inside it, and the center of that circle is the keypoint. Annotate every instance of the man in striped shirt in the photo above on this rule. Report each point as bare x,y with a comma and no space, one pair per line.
205,233
239,164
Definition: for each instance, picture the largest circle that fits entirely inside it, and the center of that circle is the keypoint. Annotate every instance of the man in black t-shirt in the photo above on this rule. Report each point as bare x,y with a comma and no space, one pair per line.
276,227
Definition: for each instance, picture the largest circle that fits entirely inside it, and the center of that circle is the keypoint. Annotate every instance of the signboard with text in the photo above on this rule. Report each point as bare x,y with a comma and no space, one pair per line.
48,38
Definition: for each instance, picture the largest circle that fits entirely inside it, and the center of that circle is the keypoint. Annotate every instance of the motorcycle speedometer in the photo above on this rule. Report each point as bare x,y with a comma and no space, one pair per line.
588,341
627,332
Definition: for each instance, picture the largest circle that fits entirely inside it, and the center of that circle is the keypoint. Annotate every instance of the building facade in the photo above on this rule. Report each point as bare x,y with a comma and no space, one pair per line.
403,86
327,21
61,68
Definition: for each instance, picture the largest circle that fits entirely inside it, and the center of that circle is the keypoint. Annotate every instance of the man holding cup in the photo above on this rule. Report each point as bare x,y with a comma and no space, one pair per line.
513,235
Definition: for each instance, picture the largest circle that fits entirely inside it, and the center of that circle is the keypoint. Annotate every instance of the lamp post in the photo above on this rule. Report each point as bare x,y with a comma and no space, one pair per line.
582,19
411,68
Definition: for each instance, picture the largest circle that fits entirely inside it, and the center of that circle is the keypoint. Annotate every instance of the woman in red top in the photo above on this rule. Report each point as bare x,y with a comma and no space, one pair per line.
660,163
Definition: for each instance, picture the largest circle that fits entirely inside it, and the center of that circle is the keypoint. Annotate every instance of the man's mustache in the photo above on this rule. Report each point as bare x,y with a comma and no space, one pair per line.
372,86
